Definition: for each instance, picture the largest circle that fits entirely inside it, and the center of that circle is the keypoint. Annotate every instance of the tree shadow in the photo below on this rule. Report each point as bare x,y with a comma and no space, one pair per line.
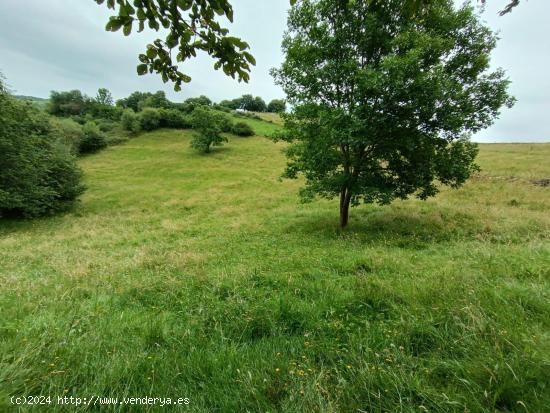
394,227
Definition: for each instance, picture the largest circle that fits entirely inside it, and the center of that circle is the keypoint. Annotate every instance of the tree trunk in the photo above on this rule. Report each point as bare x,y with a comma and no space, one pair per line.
345,198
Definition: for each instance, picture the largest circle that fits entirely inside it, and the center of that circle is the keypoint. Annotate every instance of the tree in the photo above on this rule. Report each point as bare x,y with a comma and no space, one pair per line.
246,102
383,102
259,105
132,101
276,106
72,103
104,97
198,101
207,124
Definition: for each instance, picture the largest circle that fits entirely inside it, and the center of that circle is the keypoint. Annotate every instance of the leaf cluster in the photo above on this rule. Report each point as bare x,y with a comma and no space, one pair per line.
191,26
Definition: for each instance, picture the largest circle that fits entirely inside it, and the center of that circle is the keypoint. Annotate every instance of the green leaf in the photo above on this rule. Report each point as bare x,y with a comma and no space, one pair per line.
127,29
142,69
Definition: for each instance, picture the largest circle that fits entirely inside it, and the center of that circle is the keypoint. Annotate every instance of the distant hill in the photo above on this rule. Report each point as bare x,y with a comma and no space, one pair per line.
30,98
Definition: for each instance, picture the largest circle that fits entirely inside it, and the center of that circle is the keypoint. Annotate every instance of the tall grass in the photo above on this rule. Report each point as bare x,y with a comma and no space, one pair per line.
183,275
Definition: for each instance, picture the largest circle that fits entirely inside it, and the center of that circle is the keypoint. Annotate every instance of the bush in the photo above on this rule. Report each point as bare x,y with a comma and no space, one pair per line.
173,118
225,122
39,175
93,139
149,119
207,124
106,125
242,129
130,121
67,132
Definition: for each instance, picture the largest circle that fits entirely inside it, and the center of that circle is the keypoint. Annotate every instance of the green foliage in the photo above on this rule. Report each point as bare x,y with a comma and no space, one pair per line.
132,101
246,102
276,106
138,101
149,119
191,26
207,125
106,125
72,103
198,101
104,97
93,139
383,102
154,100
225,122
251,104
242,129
130,121
230,104
38,175
68,132
81,108
173,118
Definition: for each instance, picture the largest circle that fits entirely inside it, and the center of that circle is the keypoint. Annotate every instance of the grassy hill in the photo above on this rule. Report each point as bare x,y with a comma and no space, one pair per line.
184,275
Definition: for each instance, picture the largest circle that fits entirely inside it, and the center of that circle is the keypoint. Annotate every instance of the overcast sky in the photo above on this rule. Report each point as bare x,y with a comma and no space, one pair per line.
62,45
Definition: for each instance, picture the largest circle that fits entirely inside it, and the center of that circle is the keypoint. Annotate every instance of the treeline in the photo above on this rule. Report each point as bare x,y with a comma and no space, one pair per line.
254,104
38,148
140,111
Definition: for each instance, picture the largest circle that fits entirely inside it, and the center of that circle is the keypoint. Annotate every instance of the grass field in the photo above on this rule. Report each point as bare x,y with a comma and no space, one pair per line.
184,275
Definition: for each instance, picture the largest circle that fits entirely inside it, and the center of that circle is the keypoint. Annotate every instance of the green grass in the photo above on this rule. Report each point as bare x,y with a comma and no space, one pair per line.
261,127
185,275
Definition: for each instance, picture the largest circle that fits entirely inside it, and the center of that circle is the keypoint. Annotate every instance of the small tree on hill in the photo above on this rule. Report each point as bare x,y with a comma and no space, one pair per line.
276,106
207,125
383,102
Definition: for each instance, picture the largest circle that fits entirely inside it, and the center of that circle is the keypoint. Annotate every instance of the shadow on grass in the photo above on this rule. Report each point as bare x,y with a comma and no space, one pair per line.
390,226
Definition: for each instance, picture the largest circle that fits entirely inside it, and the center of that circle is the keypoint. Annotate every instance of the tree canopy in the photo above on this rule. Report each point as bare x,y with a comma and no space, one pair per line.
193,26
383,102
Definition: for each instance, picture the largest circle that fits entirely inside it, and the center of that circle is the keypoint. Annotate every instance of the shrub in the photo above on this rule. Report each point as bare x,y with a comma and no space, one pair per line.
130,121
173,118
225,122
67,132
39,175
242,129
149,119
93,139
207,124
106,125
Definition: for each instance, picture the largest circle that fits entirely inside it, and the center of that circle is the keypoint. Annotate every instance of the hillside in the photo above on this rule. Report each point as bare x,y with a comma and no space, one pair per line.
185,275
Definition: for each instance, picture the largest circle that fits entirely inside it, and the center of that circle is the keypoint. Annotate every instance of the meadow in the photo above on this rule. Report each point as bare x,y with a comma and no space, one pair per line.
202,276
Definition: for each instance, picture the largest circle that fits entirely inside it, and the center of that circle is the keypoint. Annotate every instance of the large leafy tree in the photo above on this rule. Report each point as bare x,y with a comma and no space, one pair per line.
383,101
